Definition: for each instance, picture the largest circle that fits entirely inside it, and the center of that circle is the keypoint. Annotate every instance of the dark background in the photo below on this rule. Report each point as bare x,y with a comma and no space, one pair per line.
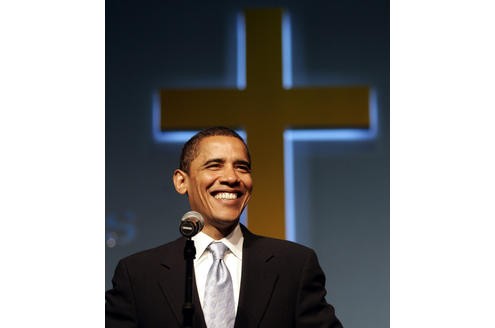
342,187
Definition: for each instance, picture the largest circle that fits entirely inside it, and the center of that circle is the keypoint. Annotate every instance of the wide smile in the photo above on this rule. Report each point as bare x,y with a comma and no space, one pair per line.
226,195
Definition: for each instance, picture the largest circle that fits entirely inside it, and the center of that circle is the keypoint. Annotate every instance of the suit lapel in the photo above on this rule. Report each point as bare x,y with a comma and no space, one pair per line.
172,284
259,279
257,283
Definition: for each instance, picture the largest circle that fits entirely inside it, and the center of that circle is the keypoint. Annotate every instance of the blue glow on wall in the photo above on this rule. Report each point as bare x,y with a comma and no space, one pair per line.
343,135
120,228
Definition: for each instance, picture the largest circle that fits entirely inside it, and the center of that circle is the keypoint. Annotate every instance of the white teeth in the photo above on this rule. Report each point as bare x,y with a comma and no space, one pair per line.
226,195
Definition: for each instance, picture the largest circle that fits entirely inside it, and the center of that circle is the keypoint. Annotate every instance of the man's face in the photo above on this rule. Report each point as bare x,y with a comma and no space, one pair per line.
219,182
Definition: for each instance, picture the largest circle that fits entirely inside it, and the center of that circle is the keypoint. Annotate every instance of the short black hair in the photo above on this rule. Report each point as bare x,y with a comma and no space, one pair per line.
190,148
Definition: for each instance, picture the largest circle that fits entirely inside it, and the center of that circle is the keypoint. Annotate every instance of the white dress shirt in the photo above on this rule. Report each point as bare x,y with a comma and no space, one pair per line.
232,258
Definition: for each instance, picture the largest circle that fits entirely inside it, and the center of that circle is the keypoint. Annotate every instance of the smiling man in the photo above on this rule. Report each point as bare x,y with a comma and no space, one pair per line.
215,173
240,279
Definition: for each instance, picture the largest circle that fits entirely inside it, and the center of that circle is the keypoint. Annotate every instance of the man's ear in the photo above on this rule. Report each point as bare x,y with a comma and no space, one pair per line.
180,181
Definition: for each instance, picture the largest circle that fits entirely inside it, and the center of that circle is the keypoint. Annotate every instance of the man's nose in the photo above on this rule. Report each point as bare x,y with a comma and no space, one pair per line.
230,175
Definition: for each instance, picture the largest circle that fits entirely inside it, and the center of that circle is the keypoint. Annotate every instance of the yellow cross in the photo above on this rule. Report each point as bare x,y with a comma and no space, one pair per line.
264,109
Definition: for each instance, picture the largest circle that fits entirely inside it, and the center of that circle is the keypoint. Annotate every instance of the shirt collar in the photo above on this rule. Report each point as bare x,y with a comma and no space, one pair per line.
233,241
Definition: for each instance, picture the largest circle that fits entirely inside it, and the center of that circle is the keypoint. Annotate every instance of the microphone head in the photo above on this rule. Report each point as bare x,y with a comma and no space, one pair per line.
191,223
194,216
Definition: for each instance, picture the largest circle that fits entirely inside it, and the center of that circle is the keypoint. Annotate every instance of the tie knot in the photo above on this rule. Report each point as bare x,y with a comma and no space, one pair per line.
218,250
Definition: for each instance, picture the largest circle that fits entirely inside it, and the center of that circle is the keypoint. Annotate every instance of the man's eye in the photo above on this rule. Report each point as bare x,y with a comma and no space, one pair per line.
244,168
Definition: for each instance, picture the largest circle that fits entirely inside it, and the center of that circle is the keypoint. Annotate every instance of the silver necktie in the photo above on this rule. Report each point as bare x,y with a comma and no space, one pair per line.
219,295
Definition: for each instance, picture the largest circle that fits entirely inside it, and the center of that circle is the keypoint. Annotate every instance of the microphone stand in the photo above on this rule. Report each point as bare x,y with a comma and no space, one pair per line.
188,307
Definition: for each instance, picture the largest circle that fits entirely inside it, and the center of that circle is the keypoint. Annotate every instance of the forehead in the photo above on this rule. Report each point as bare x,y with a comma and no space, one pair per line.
221,147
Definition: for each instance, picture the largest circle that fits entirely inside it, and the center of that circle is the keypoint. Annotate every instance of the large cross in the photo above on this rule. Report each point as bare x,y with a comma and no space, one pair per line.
264,109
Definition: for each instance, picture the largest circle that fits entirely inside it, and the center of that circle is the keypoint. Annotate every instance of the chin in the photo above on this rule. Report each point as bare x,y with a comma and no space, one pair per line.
227,219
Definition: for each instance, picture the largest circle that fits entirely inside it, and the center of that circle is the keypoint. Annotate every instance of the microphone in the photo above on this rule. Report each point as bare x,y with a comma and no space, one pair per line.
191,223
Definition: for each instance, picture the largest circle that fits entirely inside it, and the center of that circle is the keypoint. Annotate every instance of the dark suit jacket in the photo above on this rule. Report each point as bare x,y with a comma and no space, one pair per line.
282,285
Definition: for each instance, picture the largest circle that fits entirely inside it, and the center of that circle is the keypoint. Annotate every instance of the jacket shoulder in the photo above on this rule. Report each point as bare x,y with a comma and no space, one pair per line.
158,253
277,246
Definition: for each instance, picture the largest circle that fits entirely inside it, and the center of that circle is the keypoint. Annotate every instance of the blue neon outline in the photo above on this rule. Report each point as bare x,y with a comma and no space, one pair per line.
286,51
290,135
290,204
241,52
